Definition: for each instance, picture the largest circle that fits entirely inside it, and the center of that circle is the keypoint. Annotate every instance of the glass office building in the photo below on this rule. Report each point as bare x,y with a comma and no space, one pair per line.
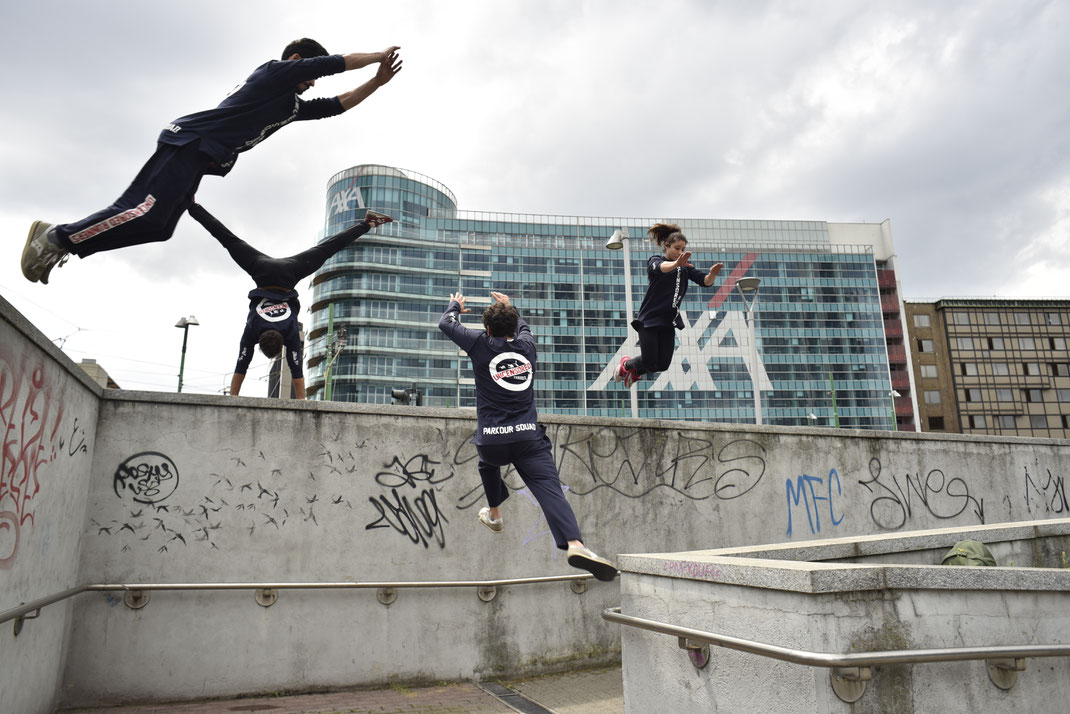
814,342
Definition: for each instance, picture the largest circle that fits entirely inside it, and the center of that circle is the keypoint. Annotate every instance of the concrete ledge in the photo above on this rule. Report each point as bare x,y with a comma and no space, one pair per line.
805,567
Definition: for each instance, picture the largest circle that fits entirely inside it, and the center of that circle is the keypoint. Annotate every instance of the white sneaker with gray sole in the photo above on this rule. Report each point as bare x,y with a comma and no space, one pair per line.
495,524
39,255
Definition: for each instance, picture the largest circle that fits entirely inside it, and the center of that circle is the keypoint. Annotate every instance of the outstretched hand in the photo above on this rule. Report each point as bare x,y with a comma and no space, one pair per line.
460,299
500,297
684,261
388,66
715,268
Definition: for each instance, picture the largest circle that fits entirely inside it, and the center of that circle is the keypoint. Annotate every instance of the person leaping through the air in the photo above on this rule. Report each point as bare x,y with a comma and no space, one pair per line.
659,313
273,304
206,142
503,359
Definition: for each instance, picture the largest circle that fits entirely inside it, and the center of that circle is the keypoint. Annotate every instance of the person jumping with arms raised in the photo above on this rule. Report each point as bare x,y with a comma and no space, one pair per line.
503,359
659,313
206,142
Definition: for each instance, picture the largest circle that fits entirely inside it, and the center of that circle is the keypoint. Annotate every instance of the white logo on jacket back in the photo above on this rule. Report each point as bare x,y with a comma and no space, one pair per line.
512,371
273,310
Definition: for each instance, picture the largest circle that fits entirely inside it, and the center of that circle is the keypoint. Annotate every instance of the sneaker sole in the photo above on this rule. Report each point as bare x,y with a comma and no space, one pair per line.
29,239
603,571
376,216
492,529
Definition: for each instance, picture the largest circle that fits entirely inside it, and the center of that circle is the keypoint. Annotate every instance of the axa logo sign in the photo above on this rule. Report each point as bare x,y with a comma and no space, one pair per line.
715,334
343,200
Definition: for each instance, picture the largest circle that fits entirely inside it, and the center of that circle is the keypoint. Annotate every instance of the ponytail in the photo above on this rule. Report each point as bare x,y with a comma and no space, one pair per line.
664,234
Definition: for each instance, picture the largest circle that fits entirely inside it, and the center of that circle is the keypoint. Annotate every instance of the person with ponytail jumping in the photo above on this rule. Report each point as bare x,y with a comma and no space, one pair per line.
659,314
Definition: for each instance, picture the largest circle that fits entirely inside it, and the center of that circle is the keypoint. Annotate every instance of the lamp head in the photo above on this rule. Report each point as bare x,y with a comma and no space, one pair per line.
748,284
616,241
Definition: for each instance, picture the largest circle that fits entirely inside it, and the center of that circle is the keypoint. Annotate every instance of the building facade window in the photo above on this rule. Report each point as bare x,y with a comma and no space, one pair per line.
977,421
991,318
921,321
1026,343
1033,395
1038,421
936,423
1004,395
925,346
969,369
932,396
1005,421
1031,369
964,343
973,395
1001,369
960,318
995,343
1021,318
928,371
1053,318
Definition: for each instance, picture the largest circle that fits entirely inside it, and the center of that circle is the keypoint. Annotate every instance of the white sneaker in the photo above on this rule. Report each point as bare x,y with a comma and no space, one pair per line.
495,524
580,556
39,255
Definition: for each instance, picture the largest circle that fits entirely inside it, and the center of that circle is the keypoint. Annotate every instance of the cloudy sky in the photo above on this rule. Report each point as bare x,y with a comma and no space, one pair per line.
950,118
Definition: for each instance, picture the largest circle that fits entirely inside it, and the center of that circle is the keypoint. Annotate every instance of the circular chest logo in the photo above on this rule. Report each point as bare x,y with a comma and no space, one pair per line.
512,371
273,310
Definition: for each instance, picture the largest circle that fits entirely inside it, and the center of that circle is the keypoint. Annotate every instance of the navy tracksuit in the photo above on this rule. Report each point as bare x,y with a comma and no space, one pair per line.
507,424
659,314
273,305
206,142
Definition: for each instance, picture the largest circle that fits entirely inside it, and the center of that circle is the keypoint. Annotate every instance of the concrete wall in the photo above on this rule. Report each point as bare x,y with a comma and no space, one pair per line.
836,608
48,416
209,489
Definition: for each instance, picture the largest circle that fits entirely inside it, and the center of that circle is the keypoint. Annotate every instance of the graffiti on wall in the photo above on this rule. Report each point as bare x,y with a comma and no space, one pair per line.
817,495
1048,491
30,418
411,506
897,500
692,466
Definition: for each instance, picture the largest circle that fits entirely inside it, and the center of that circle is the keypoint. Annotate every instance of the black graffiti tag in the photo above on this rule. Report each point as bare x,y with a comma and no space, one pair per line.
418,468
942,497
419,519
1052,493
148,477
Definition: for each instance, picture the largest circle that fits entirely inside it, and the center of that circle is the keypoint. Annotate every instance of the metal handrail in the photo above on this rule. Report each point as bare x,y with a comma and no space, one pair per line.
822,659
37,604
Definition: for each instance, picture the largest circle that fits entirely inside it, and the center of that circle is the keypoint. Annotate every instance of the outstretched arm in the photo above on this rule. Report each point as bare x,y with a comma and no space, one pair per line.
235,384
449,323
356,60
712,275
389,65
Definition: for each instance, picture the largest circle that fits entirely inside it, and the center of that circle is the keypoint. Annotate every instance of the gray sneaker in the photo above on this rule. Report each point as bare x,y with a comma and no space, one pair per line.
495,525
580,556
39,255
375,219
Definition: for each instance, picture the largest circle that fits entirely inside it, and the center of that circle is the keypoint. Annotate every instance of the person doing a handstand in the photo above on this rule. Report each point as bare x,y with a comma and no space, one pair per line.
273,304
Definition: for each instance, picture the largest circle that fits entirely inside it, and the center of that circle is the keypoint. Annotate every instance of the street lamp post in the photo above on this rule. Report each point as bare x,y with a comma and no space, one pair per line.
749,287
619,240
893,395
184,323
